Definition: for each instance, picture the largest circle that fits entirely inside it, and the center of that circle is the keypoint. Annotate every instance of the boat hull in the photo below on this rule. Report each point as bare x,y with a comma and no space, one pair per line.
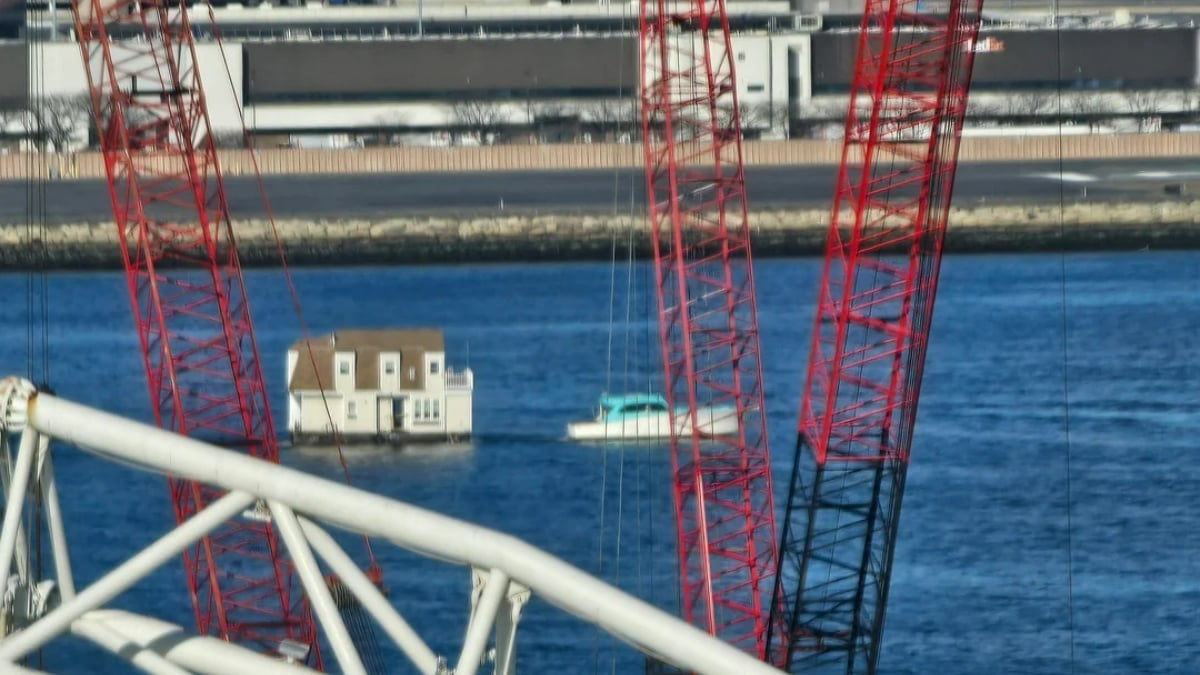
713,421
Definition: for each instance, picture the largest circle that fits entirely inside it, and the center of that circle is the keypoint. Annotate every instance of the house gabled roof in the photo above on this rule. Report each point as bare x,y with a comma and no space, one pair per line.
382,339
367,345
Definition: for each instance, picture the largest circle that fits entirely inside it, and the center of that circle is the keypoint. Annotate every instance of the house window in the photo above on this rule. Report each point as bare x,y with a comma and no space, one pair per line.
389,367
433,367
352,410
412,373
426,409
756,88
344,367
436,412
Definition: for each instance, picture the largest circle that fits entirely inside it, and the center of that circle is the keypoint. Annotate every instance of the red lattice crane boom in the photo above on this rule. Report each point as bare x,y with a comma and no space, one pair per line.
189,300
708,326
908,100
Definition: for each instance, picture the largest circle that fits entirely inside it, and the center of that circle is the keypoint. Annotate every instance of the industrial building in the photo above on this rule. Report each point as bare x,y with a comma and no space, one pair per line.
484,73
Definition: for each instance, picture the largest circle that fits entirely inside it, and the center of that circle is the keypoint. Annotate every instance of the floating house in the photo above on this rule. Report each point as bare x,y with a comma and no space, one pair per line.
376,386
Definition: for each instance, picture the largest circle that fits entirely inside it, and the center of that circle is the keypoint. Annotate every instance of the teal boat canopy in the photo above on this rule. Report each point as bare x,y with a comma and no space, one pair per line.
618,402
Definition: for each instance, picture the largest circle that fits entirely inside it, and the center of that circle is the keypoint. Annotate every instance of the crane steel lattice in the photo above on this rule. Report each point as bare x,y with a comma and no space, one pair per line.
189,301
907,103
708,326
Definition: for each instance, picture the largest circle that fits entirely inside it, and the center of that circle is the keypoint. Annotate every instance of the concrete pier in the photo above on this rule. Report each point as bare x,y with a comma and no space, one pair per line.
529,237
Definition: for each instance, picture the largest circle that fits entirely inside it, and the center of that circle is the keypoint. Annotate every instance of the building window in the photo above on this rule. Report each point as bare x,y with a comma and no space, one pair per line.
344,367
389,367
756,88
433,367
436,412
412,373
426,409
352,410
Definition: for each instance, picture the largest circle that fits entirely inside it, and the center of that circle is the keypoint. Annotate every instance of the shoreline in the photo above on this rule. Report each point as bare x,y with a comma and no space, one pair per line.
568,237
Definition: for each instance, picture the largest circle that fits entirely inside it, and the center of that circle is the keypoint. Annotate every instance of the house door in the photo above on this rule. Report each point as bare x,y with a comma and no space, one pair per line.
397,413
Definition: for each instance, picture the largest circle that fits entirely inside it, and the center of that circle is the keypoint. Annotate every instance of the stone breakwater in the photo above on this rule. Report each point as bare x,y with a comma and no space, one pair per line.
528,237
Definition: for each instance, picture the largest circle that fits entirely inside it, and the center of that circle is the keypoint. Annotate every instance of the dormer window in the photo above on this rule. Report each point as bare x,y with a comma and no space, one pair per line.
389,367
433,367
344,367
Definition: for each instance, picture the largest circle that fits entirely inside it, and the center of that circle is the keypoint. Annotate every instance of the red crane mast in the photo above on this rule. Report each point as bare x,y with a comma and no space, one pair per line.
189,300
908,99
696,196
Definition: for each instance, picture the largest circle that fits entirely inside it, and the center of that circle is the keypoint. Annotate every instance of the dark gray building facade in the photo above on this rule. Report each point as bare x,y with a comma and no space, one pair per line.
447,70
1093,59
14,75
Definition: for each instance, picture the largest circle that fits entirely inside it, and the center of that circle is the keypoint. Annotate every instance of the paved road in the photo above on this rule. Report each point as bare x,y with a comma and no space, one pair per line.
606,191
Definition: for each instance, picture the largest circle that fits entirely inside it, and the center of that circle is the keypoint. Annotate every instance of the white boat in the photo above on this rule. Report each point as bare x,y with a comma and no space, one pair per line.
646,416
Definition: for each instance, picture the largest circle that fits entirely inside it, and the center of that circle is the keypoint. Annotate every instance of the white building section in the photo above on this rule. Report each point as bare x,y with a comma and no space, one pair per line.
376,386
506,571
62,75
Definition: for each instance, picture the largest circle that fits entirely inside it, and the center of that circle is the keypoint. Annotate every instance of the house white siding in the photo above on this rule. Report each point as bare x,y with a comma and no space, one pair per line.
434,372
362,413
458,413
313,416
389,372
343,371
383,412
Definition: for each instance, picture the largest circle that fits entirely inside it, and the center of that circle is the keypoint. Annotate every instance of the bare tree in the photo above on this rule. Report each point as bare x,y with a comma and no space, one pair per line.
1085,105
553,121
1146,105
56,120
1028,103
982,108
542,110
386,127
615,115
827,110
481,117
766,117
392,119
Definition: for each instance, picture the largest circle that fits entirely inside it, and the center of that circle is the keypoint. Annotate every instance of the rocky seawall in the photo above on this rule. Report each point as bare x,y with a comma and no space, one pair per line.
527,237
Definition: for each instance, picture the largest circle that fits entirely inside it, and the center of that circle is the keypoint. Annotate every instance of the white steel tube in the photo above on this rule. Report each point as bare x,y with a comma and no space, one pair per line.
481,623
194,653
125,575
145,660
54,523
14,669
6,466
372,600
568,588
318,591
506,633
18,484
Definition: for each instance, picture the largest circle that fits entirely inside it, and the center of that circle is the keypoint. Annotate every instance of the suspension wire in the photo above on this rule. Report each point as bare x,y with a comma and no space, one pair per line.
612,310
362,631
627,385
1066,356
35,207
36,286
248,145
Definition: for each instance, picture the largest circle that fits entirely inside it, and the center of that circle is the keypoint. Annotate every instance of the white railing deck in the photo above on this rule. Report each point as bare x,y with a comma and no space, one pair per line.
459,379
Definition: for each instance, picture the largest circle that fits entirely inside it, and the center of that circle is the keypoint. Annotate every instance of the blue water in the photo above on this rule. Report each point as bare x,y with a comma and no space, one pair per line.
1007,561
